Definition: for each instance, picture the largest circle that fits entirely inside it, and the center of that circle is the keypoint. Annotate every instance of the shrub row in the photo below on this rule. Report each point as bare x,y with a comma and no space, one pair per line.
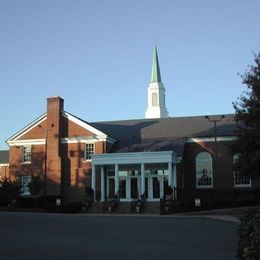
249,236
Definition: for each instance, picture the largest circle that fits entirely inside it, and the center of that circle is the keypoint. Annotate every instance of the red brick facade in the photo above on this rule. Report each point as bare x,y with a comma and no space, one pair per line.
67,170
58,146
223,191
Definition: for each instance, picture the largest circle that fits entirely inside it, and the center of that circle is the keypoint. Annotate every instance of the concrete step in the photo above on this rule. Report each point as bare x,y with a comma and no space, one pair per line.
152,207
124,207
96,207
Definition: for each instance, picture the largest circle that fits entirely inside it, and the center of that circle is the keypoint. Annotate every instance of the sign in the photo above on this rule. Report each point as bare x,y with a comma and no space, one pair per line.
58,202
197,202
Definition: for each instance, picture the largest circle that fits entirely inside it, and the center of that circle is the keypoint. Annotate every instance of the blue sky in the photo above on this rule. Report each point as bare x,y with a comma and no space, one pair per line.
97,55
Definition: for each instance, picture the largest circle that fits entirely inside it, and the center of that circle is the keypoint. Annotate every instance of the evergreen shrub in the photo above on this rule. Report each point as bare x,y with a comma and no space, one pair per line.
249,236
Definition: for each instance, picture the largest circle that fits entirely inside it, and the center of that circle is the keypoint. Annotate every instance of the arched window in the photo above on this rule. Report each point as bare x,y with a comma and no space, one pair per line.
154,99
204,174
240,181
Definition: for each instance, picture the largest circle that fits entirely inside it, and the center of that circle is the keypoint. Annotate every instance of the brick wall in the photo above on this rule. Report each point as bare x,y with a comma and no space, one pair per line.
67,171
223,190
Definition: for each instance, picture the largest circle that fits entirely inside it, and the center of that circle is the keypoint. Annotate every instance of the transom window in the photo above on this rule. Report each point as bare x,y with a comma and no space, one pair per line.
204,174
240,180
26,156
89,150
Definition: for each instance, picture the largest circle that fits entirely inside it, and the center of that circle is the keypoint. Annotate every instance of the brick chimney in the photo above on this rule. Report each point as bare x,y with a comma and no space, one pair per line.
53,142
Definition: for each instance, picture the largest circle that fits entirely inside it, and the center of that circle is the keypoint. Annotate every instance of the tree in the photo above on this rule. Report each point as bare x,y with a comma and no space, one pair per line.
9,190
247,109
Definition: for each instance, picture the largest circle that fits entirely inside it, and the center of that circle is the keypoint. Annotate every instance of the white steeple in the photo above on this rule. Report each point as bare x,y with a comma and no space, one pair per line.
156,92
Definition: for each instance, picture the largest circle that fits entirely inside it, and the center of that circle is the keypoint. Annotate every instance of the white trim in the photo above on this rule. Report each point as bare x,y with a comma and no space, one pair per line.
85,139
64,140
134,158
210,161
4,164
94,149
26,129
99,135
26,142
212,139
243,185
249,185
102,184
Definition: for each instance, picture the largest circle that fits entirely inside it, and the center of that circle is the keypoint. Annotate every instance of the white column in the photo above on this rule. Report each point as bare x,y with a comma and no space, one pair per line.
116,179
93,180
170,174
142,179
102,184
175,180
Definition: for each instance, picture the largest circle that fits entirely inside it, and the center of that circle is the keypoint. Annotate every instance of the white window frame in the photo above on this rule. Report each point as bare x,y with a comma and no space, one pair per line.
27,154
85,151
239,181
208,171
25,181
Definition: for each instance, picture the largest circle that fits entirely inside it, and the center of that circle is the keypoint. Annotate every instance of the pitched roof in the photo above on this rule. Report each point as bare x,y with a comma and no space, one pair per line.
81,123
163,134
156,74
4,156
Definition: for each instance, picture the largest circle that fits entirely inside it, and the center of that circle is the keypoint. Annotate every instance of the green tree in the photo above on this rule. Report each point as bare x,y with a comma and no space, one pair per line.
9,190
247,109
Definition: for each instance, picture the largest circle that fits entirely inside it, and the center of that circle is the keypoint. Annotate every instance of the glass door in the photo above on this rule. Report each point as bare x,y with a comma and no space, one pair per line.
154,183
156,187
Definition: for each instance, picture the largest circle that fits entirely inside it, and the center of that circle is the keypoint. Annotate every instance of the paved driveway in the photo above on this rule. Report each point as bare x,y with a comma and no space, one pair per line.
58,236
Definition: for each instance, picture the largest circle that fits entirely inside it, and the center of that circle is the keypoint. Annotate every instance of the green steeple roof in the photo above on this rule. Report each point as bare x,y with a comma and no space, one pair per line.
156,74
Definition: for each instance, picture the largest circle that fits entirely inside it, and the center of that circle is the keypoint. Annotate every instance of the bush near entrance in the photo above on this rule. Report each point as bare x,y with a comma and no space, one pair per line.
9,190
249,236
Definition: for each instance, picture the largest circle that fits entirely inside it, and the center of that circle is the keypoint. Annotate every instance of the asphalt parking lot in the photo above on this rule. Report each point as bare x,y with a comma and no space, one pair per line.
82,236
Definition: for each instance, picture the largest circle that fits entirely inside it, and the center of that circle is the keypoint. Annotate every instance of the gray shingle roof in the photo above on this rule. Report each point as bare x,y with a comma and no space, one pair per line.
4,156
162,134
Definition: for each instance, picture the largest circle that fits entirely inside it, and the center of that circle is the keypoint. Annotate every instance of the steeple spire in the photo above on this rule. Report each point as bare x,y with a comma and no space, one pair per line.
156,74
156,92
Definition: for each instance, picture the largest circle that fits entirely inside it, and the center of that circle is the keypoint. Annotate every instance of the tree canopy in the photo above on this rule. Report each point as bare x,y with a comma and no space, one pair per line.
247,108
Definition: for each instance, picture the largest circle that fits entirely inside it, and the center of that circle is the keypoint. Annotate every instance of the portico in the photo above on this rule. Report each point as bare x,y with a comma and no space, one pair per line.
133,174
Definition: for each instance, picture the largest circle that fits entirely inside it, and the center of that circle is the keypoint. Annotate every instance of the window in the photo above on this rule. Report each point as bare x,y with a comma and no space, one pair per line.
239,180
204,175
154,99
26,156
89,150
25,181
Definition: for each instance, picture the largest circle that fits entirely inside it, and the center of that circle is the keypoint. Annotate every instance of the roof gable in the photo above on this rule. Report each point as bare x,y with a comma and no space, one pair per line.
32,134
83,124
27,129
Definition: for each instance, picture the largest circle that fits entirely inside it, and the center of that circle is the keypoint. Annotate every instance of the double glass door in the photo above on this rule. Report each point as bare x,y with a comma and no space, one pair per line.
129,188
130,185
153,187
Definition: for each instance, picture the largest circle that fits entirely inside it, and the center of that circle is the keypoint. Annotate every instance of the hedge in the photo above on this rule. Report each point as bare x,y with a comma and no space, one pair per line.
249,235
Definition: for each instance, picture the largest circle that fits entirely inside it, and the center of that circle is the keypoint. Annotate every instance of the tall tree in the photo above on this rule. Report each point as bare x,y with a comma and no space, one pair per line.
247,109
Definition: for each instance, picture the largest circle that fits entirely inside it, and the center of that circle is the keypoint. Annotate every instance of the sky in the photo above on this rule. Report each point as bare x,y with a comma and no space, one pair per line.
97,56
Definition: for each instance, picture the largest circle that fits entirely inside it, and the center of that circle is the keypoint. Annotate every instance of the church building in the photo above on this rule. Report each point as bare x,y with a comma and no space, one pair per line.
132,158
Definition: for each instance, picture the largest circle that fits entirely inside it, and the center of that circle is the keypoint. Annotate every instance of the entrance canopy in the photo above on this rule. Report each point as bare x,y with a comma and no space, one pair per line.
134,158
144,180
